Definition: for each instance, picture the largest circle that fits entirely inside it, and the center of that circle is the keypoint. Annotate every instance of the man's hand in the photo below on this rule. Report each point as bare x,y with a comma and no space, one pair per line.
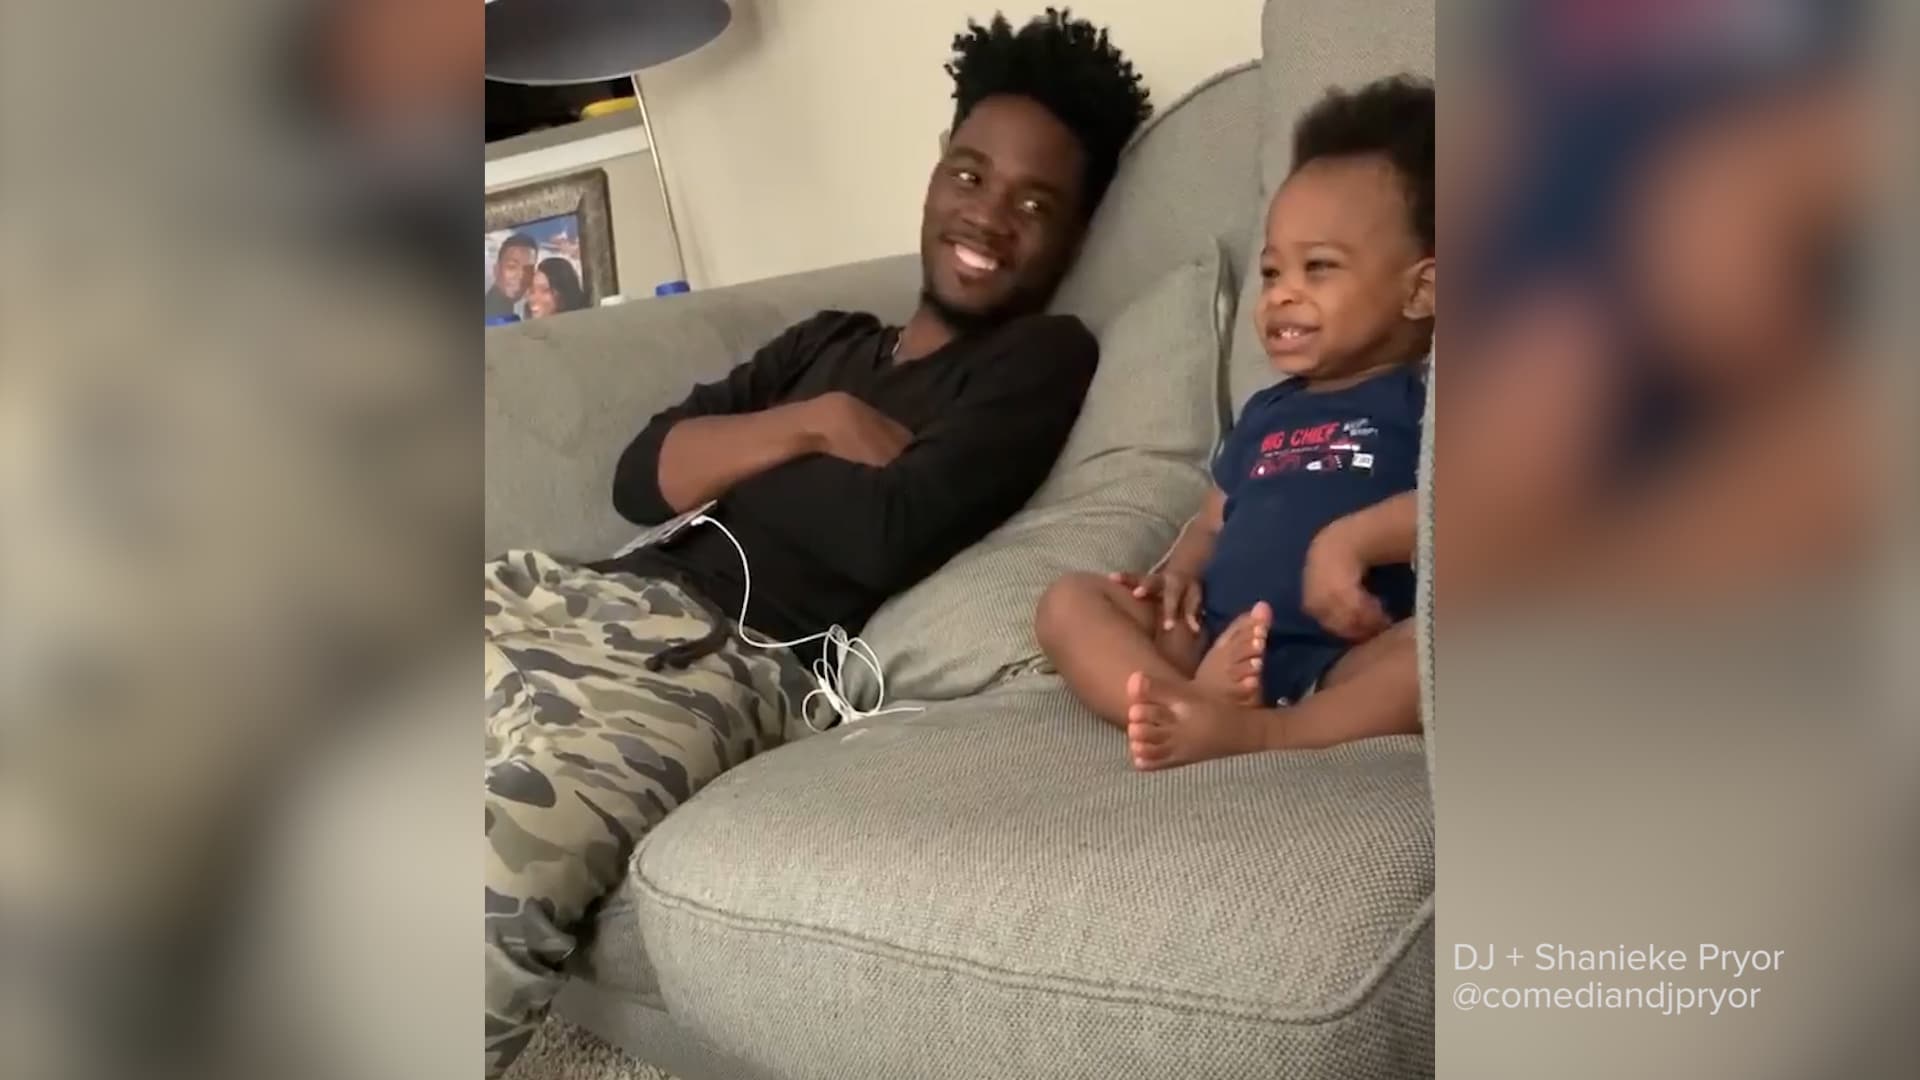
852,430
1179,595
1332,584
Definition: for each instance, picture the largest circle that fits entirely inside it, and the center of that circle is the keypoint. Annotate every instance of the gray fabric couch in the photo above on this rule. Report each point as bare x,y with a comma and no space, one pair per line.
985,888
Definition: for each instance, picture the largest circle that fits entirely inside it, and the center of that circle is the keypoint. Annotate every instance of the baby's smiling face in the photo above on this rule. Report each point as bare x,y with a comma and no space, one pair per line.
1346,285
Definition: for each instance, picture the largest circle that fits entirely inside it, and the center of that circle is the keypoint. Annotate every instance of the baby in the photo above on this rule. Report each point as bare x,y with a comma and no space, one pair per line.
1278,618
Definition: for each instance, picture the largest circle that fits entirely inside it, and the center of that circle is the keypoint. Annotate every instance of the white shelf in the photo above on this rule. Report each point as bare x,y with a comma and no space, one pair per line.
564,149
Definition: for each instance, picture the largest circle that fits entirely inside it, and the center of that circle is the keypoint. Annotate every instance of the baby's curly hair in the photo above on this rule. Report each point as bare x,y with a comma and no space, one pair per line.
1391,117
1065,64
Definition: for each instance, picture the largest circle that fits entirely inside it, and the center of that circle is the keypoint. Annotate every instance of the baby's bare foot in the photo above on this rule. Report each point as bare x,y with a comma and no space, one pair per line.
1171,723
1230,671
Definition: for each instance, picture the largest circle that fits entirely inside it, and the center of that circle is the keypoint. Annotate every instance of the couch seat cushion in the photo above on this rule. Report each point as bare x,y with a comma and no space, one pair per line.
987,889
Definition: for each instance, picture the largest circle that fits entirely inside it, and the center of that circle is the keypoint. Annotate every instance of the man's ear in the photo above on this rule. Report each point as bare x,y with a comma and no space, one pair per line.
1420,291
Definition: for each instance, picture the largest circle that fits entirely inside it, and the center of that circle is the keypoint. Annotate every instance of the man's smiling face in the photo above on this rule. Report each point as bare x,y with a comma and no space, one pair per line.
513,271
1004,212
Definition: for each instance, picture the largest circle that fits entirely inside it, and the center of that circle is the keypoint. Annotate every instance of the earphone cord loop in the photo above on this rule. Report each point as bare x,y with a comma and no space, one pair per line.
831,675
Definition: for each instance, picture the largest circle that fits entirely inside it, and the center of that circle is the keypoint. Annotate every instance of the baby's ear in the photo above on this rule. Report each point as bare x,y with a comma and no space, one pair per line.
1420,291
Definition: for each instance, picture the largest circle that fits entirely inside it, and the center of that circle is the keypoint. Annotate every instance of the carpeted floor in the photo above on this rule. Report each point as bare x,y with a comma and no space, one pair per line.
562,1051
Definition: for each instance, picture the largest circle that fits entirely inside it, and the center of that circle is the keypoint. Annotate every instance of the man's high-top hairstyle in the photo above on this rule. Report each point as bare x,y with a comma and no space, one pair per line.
1068,66
1391,117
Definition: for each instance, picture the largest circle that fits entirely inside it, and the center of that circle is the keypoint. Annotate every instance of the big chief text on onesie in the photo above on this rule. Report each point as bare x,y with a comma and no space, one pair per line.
1723,971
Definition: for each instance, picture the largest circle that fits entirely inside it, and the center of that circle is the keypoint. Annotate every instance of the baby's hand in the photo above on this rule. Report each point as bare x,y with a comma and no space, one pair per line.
1333,591
1179,595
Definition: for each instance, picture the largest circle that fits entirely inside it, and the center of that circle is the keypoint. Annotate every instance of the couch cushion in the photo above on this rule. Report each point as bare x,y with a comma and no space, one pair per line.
988,889
1423,570
1131,472
1188,177
1311,45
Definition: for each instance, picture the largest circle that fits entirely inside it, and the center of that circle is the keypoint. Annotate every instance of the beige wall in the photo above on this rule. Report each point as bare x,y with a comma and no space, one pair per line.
803,137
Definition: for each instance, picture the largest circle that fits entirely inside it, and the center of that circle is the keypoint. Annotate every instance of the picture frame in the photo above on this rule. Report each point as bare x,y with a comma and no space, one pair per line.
528,227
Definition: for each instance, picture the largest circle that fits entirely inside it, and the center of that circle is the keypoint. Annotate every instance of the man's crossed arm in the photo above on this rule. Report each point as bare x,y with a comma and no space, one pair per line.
835,478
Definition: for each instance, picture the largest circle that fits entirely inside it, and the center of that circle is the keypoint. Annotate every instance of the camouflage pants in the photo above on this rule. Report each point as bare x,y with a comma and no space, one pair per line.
587,749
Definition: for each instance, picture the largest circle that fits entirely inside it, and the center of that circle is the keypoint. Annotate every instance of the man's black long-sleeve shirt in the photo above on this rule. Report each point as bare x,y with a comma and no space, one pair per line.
829,540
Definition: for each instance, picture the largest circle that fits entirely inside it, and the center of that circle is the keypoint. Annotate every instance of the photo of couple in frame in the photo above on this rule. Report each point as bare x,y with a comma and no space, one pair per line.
548,248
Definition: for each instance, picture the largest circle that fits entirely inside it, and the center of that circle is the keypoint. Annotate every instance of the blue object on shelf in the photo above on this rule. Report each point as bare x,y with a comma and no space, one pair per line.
502,320
668,288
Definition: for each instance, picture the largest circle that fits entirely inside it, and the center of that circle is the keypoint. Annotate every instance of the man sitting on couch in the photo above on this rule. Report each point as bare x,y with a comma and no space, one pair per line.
848,459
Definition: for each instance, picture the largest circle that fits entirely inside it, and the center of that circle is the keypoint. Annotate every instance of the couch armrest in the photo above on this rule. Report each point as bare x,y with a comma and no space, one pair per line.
564,396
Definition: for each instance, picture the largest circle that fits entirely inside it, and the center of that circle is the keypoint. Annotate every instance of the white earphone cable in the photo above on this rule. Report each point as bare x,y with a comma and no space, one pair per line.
829,669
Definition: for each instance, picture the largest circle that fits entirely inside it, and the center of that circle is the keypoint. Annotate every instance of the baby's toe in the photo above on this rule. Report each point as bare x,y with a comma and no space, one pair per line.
1146,758
1147,715
1147,743
1139,688
1147,725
